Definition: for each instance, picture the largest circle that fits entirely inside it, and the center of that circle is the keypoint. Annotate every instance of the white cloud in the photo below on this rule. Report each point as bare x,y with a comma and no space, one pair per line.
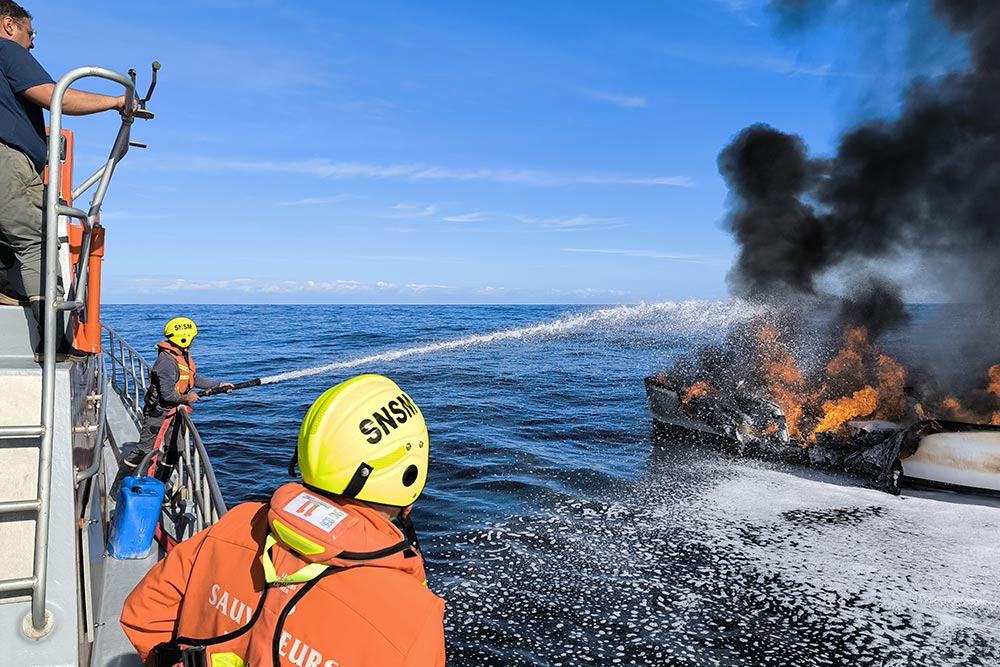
316,201
254,285
745,11
411,210
133,216
417,259
476,216
291,287
676,257
758,61
419,172
571,223
165,290
626,101
676,181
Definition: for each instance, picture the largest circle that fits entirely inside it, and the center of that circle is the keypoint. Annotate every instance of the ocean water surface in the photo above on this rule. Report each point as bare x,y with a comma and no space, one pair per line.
560,533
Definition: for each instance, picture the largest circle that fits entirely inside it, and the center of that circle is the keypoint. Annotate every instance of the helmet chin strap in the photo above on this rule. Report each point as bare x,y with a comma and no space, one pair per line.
358,480
354,486
408,530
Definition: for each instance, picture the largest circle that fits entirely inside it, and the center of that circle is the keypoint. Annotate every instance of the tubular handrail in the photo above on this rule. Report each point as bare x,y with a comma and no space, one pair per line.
134,380
20,431
53,209
197,465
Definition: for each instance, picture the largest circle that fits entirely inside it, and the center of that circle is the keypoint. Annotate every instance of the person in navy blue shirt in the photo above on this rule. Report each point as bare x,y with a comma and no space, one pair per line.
25,89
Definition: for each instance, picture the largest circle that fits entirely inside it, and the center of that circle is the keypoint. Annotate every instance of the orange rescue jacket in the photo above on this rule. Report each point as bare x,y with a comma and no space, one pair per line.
364,612
185,366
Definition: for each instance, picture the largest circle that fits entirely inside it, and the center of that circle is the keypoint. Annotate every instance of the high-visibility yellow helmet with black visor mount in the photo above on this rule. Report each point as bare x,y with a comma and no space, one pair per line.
365,439
180,331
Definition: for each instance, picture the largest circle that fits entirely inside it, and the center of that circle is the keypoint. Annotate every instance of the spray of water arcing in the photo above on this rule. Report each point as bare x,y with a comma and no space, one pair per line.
688,317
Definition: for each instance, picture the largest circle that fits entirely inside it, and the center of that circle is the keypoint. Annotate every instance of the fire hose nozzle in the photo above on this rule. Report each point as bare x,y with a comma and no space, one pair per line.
223,390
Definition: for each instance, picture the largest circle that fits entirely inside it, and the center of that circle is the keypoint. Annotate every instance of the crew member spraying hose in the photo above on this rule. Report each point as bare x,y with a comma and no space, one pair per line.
171,381
227,388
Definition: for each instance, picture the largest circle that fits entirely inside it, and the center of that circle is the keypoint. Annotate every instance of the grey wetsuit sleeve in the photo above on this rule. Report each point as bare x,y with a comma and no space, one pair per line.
205,383
165,373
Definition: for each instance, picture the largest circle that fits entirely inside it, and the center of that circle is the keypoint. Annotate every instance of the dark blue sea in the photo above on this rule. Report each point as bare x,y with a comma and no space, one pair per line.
555,528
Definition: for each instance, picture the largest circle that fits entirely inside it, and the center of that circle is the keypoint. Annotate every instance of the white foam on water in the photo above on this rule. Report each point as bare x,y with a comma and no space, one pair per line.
680,317
730,564
930,554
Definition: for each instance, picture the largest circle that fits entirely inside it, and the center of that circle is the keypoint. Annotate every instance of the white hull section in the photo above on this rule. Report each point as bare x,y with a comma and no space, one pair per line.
966,458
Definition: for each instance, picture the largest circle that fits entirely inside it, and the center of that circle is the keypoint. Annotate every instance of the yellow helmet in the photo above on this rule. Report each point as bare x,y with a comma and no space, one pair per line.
180,331
365,439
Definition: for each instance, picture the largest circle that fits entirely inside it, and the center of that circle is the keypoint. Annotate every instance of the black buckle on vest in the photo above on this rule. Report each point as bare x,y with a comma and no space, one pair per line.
171,655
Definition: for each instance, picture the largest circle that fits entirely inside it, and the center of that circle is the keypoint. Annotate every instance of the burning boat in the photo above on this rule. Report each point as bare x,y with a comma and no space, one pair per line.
739,417
852,414
886,455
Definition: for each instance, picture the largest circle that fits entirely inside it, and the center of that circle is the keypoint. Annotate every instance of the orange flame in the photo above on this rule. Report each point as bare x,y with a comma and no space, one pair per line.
697,390
858,382
836,413
891,380
849,362
785,382
994,388
994,374
954,409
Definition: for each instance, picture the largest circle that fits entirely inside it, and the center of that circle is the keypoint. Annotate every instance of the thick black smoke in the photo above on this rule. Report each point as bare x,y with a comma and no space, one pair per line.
782,240
922,190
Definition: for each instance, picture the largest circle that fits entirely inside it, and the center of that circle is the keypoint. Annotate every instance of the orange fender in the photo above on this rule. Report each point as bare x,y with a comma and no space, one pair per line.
87,335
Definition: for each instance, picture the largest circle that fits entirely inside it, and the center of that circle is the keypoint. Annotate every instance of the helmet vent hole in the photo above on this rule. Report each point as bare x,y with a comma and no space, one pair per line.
410,475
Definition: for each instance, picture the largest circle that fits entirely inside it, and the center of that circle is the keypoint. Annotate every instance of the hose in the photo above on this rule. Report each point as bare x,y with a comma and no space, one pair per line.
225,390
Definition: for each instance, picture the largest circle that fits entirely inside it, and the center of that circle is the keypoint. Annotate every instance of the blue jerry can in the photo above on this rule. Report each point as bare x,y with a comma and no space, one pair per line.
136,514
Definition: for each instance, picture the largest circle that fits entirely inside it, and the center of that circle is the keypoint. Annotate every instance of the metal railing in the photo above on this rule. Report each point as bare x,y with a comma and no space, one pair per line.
196,478
40,621
196,483
129,372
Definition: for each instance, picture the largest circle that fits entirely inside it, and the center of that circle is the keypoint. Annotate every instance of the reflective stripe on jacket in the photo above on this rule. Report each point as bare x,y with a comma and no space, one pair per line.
185,366
159,397
373,613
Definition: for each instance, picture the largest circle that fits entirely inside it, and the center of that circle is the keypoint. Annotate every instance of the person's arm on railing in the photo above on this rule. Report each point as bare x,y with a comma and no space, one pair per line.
75,102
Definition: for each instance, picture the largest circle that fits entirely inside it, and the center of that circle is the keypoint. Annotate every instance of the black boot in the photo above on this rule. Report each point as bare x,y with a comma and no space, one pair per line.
8,294
64,348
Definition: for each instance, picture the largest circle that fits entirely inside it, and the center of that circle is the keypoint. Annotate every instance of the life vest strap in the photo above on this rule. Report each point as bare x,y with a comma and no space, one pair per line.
299,594
307,573
310,576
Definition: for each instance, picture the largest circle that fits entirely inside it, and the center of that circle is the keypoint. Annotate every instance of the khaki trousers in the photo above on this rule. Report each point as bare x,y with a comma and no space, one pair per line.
22,203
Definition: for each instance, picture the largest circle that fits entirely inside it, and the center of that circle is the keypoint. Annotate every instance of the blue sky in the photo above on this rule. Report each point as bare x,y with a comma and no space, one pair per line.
448,152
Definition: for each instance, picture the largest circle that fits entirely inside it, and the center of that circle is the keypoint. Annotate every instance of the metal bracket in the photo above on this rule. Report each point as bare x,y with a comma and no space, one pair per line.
32,632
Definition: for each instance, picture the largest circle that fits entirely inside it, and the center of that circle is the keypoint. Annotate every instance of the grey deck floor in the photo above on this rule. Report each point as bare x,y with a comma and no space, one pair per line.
111,646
